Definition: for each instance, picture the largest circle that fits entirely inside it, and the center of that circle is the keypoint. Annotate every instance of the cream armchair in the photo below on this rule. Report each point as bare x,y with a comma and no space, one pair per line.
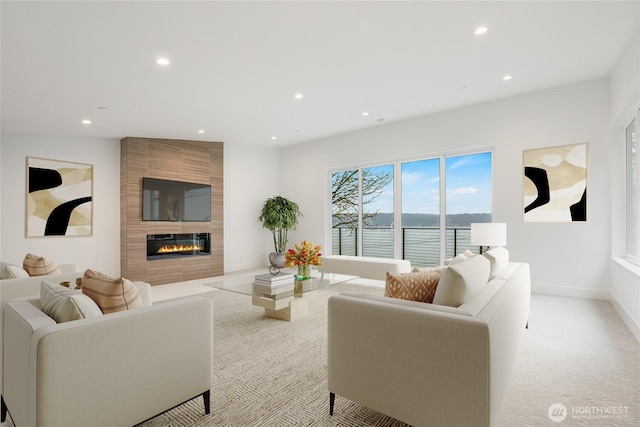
118,369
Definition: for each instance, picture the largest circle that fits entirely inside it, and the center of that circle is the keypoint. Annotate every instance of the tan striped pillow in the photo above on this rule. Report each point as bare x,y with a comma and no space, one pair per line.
39,266
110,294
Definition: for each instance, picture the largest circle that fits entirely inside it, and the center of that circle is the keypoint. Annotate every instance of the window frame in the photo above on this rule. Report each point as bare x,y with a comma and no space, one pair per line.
397,190
632,193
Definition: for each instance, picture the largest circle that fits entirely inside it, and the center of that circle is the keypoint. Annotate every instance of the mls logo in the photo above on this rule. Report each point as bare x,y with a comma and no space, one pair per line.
557,412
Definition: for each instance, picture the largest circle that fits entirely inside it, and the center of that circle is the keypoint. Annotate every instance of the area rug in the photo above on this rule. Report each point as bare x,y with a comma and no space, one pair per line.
270,372
273,373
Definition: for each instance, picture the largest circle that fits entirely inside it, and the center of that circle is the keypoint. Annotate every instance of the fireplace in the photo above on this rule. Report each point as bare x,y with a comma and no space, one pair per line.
162,246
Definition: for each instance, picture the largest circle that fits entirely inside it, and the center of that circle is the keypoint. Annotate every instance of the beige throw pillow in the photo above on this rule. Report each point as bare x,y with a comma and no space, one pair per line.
417,286
111,295
39,266
462,280
64,304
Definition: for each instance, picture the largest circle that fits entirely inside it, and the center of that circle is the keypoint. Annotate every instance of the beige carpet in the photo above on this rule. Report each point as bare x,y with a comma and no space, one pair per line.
273,373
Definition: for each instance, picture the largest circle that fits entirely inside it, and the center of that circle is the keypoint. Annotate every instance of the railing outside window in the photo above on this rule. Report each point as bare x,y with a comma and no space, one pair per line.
421,246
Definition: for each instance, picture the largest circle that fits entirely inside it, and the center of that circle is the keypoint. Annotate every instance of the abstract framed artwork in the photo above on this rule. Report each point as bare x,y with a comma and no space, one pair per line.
59,198
555,184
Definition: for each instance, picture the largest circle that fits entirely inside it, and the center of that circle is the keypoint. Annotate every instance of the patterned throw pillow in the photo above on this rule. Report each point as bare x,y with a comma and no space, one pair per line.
39,266
111,295
417,286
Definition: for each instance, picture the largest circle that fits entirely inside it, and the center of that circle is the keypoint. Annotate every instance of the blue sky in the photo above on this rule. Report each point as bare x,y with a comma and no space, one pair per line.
468,187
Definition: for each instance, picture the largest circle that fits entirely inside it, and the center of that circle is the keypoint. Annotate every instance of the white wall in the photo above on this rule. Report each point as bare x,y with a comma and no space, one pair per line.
625,101
570,259
101,250
251,175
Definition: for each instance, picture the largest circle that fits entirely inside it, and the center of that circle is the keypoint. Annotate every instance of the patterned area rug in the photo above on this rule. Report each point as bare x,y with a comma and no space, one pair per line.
273,373
270,372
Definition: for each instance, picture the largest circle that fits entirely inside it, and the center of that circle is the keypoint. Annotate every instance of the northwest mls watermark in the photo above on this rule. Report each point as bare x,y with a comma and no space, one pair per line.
558,412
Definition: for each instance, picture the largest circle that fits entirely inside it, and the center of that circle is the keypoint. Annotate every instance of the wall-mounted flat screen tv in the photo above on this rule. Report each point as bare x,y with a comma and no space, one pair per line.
164,200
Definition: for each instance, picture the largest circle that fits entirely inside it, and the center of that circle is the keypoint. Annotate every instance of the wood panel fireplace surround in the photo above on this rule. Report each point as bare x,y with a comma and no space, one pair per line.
192,250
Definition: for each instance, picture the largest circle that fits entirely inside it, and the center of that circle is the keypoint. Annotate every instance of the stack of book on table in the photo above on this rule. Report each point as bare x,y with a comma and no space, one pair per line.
274,286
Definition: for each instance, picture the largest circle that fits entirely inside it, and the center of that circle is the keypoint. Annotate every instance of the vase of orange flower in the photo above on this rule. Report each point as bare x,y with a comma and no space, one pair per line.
303,256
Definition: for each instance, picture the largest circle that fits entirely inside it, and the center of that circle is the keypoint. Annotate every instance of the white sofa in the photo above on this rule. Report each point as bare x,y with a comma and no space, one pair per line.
427,364
365,267
11,288
28,286
117,369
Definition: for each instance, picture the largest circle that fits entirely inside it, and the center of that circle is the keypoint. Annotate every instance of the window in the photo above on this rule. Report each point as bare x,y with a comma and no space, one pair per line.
632,196
421,212
435,203
345,208
468,198
377,211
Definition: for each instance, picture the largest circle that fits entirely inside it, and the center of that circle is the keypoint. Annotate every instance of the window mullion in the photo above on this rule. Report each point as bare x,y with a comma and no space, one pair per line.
360,216
443,211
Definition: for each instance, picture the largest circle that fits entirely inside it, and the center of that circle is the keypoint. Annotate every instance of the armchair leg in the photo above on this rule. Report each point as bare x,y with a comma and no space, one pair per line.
332,399
206,397
3,410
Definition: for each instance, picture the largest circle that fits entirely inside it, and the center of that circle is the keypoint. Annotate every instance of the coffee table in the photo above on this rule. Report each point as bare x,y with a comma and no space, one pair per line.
289,308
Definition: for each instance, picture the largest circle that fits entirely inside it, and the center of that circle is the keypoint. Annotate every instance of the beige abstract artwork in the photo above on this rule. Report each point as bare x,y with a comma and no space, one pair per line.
59,198
555,184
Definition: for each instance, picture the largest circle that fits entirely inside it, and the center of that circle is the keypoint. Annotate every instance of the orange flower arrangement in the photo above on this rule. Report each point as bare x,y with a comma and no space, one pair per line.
303,254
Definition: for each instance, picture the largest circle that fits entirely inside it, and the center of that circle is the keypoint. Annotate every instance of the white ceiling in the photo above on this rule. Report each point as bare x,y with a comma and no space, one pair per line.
235,66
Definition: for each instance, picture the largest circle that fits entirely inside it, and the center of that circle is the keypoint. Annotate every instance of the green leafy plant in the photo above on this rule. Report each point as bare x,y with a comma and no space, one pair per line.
279,215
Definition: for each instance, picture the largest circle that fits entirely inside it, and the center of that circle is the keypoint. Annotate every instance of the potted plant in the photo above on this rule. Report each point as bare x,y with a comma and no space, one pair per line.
279,215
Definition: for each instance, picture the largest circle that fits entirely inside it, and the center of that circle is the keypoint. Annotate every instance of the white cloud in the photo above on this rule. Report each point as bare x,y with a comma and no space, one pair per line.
464,190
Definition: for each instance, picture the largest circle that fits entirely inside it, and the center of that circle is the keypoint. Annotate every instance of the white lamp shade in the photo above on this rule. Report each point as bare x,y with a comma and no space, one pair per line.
489,234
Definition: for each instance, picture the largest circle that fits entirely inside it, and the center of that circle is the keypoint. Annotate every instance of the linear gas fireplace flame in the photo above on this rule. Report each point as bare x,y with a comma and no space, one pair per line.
161,246
171,249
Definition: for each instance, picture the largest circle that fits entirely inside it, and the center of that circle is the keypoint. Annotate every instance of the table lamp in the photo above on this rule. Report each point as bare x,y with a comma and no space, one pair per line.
488,234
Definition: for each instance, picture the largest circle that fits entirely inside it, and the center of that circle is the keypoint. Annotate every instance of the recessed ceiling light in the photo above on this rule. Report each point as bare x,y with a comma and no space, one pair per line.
298,95
162,61
86,122
381,120
103,108
507,77
201,131
366,113
480,30
274,137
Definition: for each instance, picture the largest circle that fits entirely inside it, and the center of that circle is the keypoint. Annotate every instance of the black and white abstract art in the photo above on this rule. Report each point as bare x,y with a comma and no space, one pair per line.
555,184
59,198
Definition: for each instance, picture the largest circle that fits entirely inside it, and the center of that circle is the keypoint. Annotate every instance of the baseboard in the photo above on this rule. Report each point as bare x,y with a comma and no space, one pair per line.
628,320
597,294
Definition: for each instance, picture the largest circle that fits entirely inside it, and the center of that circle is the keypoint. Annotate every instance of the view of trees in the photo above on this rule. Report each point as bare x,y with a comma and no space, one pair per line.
429,220
344,195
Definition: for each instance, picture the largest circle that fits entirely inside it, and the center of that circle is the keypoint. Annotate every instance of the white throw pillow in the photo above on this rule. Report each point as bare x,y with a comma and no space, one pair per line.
462,280
468,253
15,272
459,257
63,304
498,258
